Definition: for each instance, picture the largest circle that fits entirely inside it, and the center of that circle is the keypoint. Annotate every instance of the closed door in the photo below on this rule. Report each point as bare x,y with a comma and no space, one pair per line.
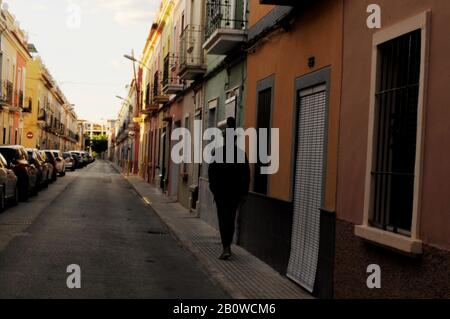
309,185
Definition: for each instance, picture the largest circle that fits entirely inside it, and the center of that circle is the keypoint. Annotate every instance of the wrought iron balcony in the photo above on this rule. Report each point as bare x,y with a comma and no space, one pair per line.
42,115
20,99
7,93
192,60
158,96
149,105
28,107
226,26
171,83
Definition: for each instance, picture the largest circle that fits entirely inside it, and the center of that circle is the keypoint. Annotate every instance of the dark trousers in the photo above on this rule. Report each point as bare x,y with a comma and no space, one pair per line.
226,211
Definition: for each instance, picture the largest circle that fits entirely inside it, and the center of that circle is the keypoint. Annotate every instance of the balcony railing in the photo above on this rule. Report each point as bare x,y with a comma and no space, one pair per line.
28,107
7,92
158,95
171,81
225,25
192,60
42,116
149,104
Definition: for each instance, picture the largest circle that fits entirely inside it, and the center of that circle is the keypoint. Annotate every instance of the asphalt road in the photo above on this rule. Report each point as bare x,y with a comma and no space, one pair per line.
94,219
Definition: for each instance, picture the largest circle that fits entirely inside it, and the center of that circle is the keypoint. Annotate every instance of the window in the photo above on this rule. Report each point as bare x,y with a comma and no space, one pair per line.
212,117
393,182
395,135
263,121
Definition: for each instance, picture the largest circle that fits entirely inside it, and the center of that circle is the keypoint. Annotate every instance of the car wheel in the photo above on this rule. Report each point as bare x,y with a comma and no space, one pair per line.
2,199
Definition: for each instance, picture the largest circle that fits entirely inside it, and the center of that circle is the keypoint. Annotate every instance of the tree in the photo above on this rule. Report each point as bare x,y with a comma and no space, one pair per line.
99,144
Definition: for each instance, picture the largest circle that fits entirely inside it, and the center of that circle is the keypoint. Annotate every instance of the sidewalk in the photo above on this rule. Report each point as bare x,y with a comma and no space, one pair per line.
244,277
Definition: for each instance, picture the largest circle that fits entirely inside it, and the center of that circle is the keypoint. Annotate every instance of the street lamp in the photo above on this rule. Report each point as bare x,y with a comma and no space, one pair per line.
133,59
123,99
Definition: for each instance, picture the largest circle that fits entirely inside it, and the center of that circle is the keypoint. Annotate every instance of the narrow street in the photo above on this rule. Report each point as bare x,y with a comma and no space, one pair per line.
94,219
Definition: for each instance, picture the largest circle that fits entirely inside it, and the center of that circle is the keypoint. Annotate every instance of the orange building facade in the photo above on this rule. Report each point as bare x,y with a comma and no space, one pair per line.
294,84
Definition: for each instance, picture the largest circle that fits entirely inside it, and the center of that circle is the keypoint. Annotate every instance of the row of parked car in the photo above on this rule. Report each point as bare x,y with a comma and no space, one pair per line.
25,172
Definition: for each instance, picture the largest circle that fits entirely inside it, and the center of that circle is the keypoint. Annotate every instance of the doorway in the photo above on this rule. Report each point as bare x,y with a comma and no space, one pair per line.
309,177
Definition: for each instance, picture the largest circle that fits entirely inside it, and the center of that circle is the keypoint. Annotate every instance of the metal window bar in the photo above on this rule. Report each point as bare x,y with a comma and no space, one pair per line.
170,64
166,71
156,86
224,14
9,88
395,133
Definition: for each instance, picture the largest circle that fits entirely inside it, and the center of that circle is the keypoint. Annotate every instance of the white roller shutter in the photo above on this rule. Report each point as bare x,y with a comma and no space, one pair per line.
309,185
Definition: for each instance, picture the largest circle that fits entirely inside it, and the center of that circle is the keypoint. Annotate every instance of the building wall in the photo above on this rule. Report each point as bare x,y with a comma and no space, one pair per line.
30,119
215,88
257,12
403,277
283,55
315,33
9,63
185,170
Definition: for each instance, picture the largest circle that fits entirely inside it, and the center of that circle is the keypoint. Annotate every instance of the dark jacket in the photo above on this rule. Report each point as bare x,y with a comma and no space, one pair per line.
229,181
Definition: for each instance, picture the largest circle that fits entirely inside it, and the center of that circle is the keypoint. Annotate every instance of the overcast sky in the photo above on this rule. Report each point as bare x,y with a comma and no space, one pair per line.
85,55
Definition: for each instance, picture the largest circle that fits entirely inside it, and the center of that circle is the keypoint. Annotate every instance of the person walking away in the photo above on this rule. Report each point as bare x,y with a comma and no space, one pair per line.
229,183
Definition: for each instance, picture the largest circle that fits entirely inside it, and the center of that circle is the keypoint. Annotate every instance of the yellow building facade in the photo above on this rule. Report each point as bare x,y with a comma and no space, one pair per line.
51,122
14,55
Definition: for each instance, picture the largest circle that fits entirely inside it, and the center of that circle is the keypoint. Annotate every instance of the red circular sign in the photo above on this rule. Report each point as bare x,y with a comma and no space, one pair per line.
30,135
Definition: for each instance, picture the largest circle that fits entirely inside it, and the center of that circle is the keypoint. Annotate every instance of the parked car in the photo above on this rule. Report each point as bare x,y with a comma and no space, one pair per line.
70,161
60,162
91,158
77,158
51,160
51,169
27,174
35,159
81,161
85,157
8,184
